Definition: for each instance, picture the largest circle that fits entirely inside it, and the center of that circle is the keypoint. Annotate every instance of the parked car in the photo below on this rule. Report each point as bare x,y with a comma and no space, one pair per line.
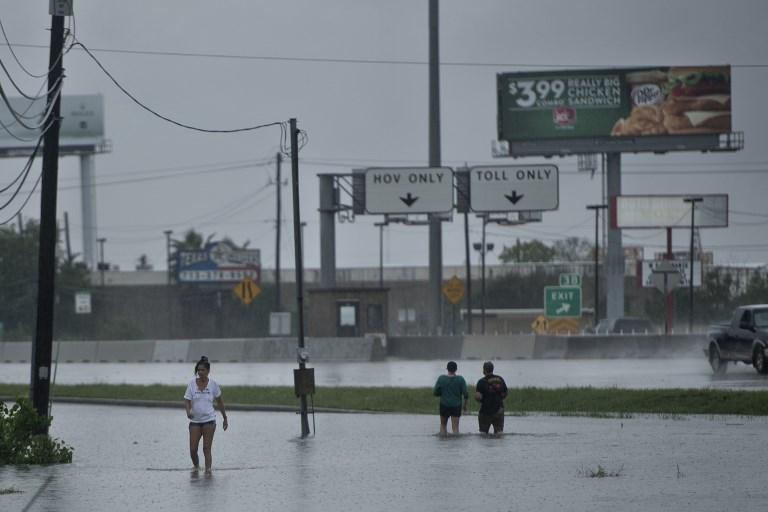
743,339
623,325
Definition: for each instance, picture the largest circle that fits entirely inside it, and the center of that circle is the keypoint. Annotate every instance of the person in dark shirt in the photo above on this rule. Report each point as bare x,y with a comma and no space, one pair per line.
491,391
452,390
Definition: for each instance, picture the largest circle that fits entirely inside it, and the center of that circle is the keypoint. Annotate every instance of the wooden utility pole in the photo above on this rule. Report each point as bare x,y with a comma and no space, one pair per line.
301,377
43,342
278,225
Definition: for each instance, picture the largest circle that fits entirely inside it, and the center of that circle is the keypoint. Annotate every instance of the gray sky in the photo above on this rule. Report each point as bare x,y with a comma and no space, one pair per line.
280,59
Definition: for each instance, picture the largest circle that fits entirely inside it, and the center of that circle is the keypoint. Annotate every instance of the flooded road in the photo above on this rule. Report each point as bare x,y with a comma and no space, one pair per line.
129,459
544,373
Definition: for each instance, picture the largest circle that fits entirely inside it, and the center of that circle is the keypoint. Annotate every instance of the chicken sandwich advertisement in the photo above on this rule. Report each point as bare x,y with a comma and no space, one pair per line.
614,103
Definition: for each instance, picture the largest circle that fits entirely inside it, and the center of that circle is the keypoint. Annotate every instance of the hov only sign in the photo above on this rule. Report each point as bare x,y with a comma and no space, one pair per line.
562,301
504,188
409,190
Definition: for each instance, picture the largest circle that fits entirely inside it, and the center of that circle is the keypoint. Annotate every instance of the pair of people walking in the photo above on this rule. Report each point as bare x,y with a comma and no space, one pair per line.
490,391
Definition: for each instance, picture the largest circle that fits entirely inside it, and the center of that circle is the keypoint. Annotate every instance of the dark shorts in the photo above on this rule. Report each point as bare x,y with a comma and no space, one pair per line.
192,424
486,420
447,412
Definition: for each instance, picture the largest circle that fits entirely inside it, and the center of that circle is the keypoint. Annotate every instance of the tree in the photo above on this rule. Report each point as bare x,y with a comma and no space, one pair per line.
526,252
143,263
18,273
757,290
573,249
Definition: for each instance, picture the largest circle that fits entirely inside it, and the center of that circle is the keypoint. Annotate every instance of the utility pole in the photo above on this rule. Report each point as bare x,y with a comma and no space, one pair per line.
102,265
66,238
40,386
692,201
435,226
278,222
469,272
168,233
302,374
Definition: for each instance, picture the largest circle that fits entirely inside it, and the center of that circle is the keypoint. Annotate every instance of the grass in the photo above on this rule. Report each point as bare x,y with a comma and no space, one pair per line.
600,472
591,402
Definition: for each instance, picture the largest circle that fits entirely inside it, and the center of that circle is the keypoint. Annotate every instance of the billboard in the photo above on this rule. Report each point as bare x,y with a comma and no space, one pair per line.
609,103
219,262
82,122
669,211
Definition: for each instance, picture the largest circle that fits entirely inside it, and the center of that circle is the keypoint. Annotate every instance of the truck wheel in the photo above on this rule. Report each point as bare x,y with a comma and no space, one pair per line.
758,360
718,365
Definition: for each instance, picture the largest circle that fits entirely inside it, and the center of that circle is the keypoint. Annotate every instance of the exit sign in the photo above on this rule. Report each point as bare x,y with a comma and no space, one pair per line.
562,301
570,279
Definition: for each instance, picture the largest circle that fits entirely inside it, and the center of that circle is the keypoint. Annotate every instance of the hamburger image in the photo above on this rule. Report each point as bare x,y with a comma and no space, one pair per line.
698,100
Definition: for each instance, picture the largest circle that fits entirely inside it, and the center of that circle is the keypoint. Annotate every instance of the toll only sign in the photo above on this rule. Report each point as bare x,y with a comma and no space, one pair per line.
504,188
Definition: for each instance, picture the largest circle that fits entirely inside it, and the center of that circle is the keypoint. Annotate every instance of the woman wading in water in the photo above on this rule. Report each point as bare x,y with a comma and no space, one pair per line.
199,398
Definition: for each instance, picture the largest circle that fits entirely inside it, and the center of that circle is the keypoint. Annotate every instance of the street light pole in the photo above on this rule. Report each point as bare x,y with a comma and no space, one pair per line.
168,233
597,208
692,201
483,248
101,258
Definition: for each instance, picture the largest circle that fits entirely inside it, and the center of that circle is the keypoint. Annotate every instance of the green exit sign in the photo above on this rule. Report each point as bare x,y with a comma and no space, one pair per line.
562,301
570,279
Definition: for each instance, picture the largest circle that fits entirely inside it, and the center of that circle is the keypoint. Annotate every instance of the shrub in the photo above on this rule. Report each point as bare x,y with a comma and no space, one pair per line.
20,442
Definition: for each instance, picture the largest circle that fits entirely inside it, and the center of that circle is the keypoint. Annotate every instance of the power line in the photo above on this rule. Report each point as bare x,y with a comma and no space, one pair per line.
339,60
281,124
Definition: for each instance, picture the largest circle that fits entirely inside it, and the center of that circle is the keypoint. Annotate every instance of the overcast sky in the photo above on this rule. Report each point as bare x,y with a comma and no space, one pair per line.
354,73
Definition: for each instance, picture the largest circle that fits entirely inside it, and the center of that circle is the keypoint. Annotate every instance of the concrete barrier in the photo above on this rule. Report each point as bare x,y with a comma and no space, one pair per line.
16,351
134,351
425,347
373,347
550,347
171,351
513,346
219,351
75,351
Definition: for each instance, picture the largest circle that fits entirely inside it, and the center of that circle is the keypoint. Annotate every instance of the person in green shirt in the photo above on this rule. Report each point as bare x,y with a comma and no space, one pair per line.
452,390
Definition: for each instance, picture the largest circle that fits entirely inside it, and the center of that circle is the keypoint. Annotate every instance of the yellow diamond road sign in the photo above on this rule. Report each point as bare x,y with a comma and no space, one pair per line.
247,290
454,290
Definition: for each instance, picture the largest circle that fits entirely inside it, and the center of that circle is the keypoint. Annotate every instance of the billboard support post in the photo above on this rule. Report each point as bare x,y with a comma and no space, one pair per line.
692,201
670,298
597,208
614,262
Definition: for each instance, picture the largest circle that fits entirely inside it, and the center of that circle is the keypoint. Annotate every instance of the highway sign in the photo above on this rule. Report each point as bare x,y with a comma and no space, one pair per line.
562,301
454,290
671,211
246,290
408,190
570,279
683,266
503,188
666,277
83,303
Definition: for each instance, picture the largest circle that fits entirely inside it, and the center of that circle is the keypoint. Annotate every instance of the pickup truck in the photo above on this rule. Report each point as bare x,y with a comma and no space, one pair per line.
744,339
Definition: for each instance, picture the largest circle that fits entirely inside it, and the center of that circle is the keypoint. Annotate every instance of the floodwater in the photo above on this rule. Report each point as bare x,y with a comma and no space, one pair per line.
545,373
129,459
